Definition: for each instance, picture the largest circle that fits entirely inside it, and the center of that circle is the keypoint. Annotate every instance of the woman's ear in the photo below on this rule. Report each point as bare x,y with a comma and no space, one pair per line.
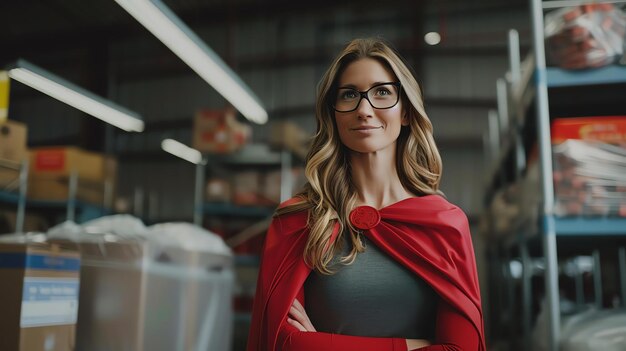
405,119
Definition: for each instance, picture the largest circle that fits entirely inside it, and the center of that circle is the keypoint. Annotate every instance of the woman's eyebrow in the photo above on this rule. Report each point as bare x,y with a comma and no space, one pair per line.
352,86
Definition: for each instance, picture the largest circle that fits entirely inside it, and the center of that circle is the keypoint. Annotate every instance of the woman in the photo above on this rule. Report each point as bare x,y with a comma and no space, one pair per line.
369,256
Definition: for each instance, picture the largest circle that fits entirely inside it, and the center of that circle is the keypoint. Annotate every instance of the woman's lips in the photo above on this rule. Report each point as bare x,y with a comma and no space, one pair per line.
366,128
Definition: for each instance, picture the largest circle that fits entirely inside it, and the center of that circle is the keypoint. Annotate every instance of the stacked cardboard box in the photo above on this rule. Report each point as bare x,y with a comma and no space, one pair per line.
286,135
590,166
52,167
217,131
39,295
12,151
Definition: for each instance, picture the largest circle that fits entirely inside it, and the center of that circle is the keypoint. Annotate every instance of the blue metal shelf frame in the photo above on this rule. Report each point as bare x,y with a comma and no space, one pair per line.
590,226
86,211
228,209
557,77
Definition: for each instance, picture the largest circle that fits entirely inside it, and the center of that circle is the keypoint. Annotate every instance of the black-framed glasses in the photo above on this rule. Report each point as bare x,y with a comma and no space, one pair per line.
380,96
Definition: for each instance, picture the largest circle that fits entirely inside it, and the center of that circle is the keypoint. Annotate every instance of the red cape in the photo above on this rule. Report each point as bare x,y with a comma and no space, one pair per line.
426,234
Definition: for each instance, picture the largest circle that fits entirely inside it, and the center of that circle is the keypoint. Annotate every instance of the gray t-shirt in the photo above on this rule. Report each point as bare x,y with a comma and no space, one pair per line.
375,296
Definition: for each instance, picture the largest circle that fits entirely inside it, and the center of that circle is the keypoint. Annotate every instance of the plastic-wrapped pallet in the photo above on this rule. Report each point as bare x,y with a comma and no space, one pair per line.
585,36
595,330
197,273
168,287
590,166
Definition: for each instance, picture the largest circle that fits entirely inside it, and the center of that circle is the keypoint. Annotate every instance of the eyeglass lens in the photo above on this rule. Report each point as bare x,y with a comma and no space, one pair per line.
379,96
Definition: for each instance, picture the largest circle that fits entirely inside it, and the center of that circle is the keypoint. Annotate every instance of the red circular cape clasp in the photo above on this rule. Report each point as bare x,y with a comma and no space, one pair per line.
365,217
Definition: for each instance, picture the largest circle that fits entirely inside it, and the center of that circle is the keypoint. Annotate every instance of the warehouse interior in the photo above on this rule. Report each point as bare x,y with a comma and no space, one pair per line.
546,203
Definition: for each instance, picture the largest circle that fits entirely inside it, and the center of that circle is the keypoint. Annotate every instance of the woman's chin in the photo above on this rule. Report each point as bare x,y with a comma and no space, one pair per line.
367,149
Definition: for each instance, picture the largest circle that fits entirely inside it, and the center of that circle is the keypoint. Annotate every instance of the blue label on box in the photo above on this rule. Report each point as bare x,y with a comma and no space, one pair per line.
49,301
38,261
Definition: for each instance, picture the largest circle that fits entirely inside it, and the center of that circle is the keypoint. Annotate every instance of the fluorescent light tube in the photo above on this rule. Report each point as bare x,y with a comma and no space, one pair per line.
76,96
181,150
179,38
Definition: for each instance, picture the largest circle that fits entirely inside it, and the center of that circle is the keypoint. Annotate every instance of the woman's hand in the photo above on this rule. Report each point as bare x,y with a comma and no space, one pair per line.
413,344
298,317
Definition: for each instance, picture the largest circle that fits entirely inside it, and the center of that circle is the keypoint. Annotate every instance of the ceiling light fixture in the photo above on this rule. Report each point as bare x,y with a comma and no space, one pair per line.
181,150
75,96
179,38
432,38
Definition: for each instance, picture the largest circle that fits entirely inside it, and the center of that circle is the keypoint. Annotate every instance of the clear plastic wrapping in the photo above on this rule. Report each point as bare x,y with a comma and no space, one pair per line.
585,36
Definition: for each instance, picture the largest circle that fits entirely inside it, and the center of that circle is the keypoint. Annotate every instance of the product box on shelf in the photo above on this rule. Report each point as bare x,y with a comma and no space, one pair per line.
246,188
272,184
12,150
590,166
218,190
52,167
63,160
287,135
218,131
39,295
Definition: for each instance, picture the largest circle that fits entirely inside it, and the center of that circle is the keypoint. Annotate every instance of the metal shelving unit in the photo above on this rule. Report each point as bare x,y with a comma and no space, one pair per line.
74,209
552,226
545,231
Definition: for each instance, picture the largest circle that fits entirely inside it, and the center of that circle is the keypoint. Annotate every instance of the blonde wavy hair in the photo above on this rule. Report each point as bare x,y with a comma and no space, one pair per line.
330,194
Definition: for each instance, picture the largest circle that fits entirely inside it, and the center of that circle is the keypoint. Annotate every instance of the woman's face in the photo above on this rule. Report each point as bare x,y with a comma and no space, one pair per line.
368,129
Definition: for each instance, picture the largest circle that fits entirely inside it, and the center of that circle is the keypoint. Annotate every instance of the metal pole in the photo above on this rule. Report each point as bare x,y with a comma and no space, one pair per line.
21,203
71,198
621,252
153,206
198,194
578,283
597,278
107,202
494,133
527,273
286,177
503,105
138,202
543,136
514,58
510,297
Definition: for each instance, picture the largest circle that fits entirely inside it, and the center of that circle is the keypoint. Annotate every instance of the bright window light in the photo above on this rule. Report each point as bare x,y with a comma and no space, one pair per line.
76,96
181,150
179,38
432,38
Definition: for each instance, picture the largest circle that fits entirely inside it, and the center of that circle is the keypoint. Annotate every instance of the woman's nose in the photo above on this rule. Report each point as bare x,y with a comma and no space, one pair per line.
364,109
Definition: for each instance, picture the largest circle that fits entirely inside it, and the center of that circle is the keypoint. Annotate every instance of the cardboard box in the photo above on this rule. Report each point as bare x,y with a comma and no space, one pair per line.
12,152
52,167
272,186
13,141
58,189
32,222
288,136
39,295
218,189
217,131
63,160
113,274
124,283
246,188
